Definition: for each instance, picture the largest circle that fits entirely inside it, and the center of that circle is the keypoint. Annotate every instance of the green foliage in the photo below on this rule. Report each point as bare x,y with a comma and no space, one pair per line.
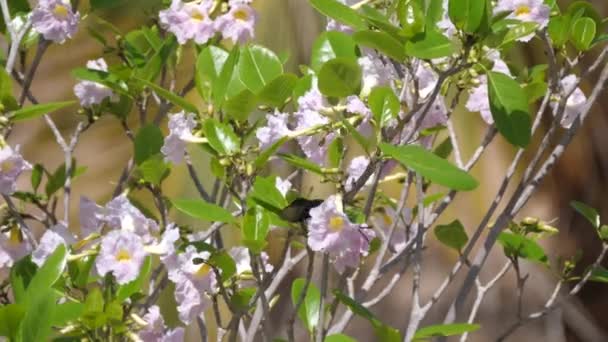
452,235
519,246
431,166
127,290
588,212
221,137
38,110
256,224
147,143
308,311
340,12
509,107
203,211
468,15
429,45
257,67
330,45
384,105
444,330
383,42
340,77
583,32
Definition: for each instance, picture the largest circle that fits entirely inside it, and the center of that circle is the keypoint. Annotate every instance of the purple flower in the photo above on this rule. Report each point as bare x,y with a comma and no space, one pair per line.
194,279
478,99
311,100
575,103
243,261
120,213
283,185
121,253
355,170
180,132
156,330
356,106
314,146
375,73
55,20
330,231
526,11
57,235
12,165
12,248
238,23
275,129
91,216
92,93
188,21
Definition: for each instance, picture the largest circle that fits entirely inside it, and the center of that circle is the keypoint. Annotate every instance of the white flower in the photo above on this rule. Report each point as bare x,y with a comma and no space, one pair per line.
122,254
238,23
275,129
52,238
55,20
534,11
574,104
12,165
180,132
92,93
189,21
355,170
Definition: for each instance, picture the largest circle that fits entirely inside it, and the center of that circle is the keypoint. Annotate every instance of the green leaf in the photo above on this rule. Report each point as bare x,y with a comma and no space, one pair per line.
383,332
583,33
221,137
430,45
559,29
467,15
36,176
258,66
224,262
599,274
49,272
308,311
147,143
431,166
265,190
105,78
383,42
171,97
340,77
509,107
452,235
339,338
66,312
339,12
155,63
93,309
444,330
241,298
220,86
240,106
10,318
588,212
384,104
276,93
520,246
302,163
330,45
411,17
7,100
203,211
41,308
209,67
255,228
154,170
35,111
127,290
21,275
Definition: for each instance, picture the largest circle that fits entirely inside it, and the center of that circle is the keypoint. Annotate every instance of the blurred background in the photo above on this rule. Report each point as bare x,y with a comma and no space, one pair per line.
291,26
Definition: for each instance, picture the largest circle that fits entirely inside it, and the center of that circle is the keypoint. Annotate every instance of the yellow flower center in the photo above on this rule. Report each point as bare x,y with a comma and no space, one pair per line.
388,221
197,15
336,223
60,11
203,271
522,10
15,237
6,166
123,256
240,14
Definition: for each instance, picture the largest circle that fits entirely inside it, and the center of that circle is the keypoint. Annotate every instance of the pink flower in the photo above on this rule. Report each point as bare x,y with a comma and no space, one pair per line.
275,129
189,21
181,126
156,330
330,231
238,23
12,165
194,279
92,93
122,254
55,20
